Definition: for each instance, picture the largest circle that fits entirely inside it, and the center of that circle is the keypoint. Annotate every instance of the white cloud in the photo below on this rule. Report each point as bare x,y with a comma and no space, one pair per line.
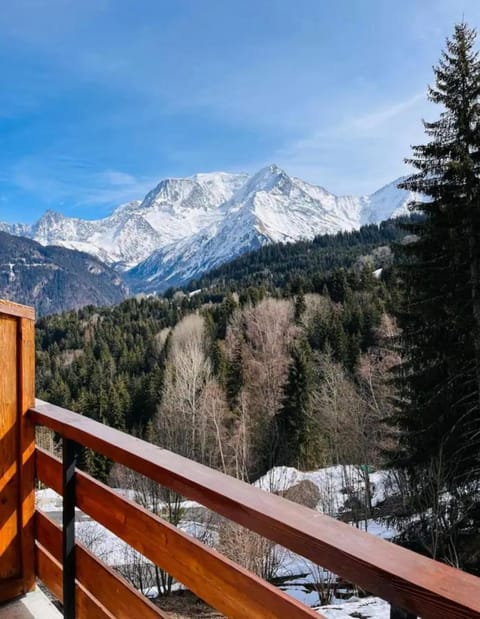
105,188
361,152
381,116
117,178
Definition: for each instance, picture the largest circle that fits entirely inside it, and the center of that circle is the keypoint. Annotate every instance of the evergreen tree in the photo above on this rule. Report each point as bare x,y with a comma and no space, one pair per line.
235,375
299,307
439,412
292,420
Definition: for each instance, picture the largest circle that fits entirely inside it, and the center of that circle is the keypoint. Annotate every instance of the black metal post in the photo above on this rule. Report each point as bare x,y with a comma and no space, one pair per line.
398,613
69,462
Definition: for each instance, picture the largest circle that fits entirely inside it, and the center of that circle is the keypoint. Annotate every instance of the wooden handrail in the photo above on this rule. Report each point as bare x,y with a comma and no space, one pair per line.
15,309
220,582
410,581
49,570
111,590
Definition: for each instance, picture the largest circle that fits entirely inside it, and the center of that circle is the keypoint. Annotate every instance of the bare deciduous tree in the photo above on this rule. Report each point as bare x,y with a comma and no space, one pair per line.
266,331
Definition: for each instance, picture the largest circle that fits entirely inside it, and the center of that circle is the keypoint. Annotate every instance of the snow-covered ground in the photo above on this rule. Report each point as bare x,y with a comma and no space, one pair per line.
335,485
364,608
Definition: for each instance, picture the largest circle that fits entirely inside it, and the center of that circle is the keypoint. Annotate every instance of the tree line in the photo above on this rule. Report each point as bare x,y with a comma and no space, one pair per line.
232,384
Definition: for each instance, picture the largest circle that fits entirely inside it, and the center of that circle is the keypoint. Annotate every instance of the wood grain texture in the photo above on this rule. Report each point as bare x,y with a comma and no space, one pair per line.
11,588
10,565
111,590
17,447
26,454
49,571
218,581
422,586
15,309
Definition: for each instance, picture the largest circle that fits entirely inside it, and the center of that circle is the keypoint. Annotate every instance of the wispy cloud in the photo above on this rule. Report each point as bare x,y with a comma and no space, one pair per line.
362,151
104,189
380,117
106,96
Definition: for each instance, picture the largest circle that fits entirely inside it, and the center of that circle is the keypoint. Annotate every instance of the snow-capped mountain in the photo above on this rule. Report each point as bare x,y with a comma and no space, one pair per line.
186,226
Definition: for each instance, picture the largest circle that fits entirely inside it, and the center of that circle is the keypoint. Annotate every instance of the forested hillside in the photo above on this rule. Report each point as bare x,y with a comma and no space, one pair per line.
54,279
305,264
236,384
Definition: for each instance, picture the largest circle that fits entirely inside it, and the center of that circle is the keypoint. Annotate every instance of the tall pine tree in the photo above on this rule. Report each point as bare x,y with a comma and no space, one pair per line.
292,421
439,412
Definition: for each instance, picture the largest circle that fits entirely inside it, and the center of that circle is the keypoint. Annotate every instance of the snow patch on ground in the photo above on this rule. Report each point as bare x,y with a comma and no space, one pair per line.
365,608
334,484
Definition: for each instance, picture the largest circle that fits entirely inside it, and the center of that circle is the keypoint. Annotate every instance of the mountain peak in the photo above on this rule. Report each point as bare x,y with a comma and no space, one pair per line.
47,223
268,178
184,226
272,170
50,215
201,192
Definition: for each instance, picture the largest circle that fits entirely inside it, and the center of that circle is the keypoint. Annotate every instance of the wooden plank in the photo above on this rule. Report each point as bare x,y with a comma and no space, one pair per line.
26,453
10,565
218,581
15,309
17,448
49,570
104,584
11,588
420,585
87,607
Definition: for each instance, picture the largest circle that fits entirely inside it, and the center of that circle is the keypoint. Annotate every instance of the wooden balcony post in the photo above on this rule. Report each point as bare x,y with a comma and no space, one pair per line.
17,445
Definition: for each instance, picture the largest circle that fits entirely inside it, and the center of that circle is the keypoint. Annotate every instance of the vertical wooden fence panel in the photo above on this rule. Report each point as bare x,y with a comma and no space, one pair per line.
17,444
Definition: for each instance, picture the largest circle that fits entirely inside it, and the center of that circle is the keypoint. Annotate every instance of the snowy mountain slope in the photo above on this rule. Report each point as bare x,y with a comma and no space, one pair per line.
387,202
185,226
271,207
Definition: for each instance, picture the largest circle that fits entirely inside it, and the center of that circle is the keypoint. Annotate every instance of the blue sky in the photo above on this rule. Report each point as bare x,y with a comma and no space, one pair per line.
100,99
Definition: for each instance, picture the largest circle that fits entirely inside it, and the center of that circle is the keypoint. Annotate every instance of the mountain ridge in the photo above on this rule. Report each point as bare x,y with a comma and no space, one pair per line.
53,278
186,226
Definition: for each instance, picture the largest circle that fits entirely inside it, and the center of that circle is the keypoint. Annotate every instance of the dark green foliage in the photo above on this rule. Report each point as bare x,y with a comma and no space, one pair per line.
234,381
347,330
300,306
292,422
299,267
106,364
439,412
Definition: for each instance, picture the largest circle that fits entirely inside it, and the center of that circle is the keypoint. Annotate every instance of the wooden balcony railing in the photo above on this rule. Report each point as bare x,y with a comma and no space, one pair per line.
33,545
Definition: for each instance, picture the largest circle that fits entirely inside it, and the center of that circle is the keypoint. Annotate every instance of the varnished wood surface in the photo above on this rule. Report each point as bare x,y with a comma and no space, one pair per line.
15,309
17,448
26,464
111,590
11,588
10,564
218,581
407,580
49,570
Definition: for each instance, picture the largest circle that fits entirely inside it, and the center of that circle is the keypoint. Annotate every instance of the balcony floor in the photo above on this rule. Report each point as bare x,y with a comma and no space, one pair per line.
34,605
